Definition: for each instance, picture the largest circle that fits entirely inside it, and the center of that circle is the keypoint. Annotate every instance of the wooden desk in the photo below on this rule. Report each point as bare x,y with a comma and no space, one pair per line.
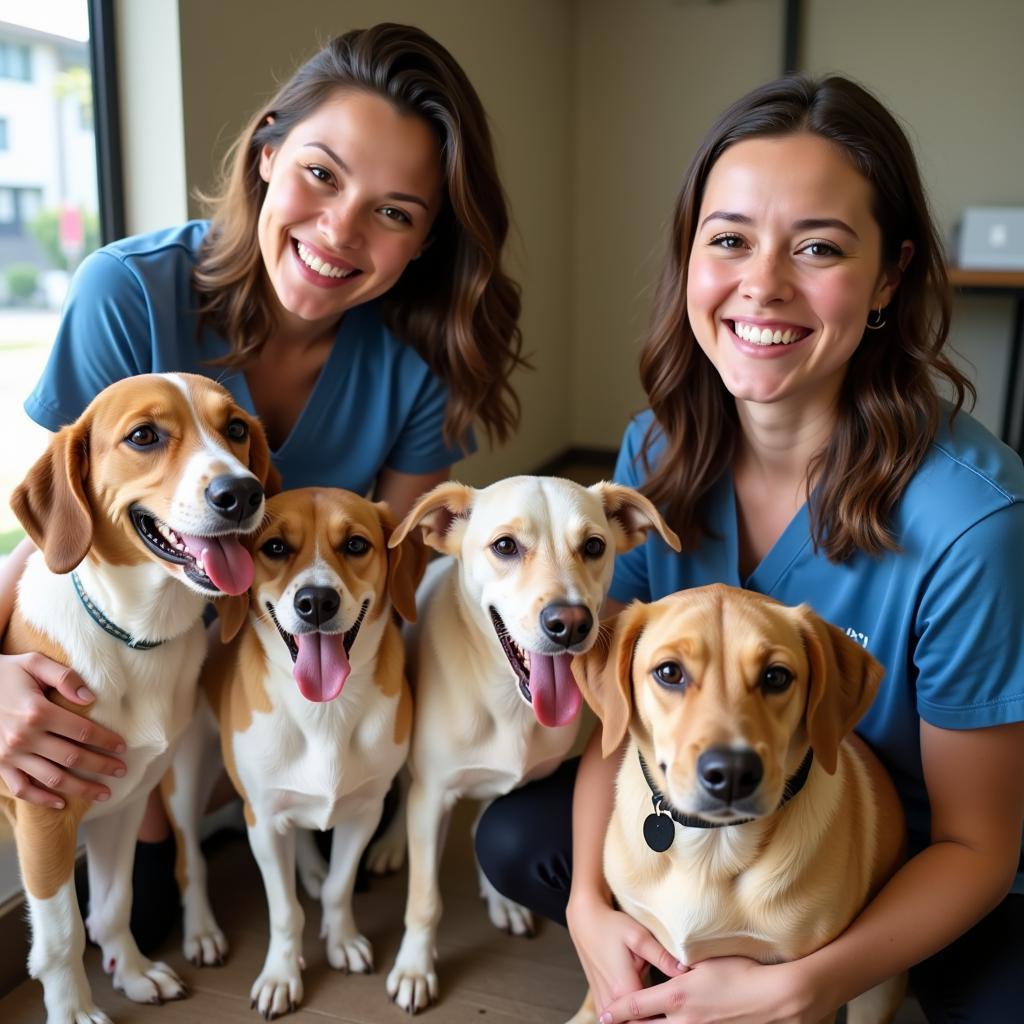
1011,284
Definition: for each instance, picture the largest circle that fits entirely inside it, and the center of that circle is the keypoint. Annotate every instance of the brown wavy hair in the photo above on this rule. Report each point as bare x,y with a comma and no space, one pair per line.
455,306
889,405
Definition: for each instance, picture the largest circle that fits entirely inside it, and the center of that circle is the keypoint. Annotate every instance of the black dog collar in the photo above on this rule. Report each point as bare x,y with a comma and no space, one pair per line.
101,620
658,829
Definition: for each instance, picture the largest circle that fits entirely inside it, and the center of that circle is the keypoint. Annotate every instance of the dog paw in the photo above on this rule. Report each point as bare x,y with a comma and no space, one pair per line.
508,916
88,1014
387,854
412,990
351,954
151,982
277,991
205,947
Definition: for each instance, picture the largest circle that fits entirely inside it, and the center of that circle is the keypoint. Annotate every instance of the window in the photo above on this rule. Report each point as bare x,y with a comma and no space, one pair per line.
15,61
3,133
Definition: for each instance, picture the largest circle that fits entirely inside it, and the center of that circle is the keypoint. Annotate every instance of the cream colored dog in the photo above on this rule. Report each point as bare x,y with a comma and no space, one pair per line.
136,508
314,716
496,702
748,820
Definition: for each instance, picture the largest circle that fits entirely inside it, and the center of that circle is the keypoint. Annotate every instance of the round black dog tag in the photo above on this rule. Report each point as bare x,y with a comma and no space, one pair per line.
659,831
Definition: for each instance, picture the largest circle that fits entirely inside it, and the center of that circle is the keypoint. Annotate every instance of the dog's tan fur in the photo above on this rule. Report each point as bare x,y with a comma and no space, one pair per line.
787,882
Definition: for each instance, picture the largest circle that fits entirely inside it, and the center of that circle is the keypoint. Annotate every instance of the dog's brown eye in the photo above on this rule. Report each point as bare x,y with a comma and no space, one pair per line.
670,673
356,546
776,679
594,547
506,547
142,436
237,430
274,548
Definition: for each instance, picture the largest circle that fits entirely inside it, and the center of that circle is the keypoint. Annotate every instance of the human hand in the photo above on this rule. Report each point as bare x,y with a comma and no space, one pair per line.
613,949
44,746
723,990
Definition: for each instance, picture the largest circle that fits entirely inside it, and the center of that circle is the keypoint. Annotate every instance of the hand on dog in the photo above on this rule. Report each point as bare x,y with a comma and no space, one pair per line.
42,745
613,950
728,989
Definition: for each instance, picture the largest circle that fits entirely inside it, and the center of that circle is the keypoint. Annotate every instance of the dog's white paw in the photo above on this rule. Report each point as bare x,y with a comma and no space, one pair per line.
205,947
352,954
387,854
412,983
77,1013
149,982
508,916
311,866
278,989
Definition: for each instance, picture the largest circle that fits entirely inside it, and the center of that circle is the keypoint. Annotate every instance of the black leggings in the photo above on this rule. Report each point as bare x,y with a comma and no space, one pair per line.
524,845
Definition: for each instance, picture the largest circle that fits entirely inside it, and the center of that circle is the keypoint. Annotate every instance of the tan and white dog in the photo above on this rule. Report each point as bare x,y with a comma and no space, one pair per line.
496,702
314,716
748,819
136,508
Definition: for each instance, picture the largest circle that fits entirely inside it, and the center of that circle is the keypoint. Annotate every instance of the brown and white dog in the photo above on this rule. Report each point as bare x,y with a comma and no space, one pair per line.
314,716
136,508
496,702
748,819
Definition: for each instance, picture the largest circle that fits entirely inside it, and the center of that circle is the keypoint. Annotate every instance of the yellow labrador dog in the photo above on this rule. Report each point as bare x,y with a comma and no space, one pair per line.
490,659
748,820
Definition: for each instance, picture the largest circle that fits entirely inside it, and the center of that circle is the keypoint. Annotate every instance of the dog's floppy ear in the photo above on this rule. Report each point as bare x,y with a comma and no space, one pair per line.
604,674
51,503
232,612
441,514
632,516
844,681
407,561
259,459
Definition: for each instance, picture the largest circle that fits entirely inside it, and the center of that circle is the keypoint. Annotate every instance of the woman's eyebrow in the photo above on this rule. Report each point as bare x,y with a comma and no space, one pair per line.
407,197
733,218
816,223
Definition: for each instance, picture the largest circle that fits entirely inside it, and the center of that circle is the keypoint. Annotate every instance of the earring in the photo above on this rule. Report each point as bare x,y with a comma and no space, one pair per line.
879,322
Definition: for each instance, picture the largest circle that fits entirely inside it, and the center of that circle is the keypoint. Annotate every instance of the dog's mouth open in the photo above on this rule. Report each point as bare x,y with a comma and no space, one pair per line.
546,681
217,564
320,659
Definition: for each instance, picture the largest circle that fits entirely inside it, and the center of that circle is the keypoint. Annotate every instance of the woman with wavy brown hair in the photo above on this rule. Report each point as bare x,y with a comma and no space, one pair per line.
348,290
806,439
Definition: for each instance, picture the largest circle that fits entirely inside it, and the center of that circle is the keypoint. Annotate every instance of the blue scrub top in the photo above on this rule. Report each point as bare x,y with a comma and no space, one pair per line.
132,309
944,614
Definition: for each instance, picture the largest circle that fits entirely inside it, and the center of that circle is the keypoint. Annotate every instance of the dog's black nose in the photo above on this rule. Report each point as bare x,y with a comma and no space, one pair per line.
317,605
566,624
729,775
234,497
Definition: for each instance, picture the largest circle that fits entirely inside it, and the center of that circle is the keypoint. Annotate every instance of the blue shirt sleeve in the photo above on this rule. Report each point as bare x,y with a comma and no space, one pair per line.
969,656
420,447
631,580
104,319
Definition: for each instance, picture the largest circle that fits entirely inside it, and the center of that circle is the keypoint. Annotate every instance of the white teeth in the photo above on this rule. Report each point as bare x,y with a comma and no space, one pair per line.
765,336
323,268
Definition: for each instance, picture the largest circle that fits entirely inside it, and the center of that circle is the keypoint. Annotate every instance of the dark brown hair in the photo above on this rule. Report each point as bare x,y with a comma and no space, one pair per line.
455,305
889,403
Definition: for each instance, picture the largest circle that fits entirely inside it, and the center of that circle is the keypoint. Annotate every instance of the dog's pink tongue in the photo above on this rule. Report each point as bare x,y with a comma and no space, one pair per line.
322,665
225,561
556,697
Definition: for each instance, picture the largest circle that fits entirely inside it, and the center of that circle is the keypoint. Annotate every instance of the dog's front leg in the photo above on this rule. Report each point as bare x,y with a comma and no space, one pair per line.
278,989
412,982
186,790
347,950
110,847
46,853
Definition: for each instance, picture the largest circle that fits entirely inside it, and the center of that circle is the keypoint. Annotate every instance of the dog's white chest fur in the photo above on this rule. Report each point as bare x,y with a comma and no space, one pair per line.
301,763
146,696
